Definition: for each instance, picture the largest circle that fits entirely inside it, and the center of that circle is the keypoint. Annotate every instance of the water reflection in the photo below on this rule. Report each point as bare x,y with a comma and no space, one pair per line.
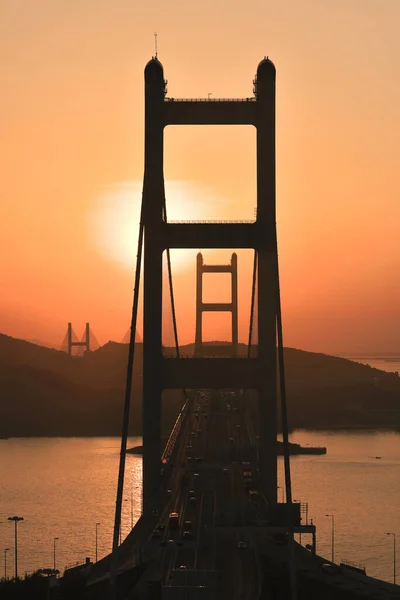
63,486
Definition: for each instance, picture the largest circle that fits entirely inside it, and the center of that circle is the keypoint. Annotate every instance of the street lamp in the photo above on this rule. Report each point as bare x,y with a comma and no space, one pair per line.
333,536
54,553
16,519
5,562
394,556
97,524
126,500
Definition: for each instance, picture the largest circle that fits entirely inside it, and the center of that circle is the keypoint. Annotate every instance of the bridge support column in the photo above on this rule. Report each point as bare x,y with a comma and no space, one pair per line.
153,206
267,279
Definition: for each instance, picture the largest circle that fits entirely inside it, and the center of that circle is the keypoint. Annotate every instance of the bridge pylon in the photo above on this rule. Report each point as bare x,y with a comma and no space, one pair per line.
72,342
257,373
201,307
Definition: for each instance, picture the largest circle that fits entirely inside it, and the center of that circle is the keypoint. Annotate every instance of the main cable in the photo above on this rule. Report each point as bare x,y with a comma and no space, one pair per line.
253,291
125,419
285,435
171,289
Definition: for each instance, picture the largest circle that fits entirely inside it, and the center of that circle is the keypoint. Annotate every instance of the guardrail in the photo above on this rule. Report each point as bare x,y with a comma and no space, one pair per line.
169,446
78,563
353,565
250,99
217,221
209,356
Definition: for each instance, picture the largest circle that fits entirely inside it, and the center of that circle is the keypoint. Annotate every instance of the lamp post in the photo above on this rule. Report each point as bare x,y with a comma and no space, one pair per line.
126,500
394,556
333,536
16,519
54,553
97,525
131,508
5,562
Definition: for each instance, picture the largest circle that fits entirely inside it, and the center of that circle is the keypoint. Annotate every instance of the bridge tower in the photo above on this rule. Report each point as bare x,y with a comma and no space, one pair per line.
232,307
84,343
250,373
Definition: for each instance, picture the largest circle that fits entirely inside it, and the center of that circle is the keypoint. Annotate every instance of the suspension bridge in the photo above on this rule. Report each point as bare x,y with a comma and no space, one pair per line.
211,525
77,346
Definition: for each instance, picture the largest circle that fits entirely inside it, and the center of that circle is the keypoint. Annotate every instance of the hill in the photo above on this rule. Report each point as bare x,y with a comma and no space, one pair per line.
46,392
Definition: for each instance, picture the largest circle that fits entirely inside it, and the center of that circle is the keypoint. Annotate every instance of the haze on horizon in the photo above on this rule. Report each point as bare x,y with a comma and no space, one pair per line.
71,116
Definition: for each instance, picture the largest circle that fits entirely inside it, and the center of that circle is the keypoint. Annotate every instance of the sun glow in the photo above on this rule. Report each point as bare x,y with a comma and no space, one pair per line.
115,220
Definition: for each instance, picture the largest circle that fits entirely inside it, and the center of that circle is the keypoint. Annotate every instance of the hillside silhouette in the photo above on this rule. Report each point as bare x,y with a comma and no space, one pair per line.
46,392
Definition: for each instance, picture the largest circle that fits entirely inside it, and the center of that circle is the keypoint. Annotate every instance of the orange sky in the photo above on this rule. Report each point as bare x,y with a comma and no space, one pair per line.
71,150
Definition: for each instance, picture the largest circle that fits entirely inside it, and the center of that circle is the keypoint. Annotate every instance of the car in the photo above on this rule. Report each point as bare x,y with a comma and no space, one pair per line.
183,568
160,526
225,471
173,520
195,475
189,459
198,459
309,547
155,513
242,545
192,433
193,499
254,494
191,492
156,534
187,535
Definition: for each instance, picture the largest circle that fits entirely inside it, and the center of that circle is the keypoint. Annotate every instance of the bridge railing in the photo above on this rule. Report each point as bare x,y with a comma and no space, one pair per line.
168,357
353,565
169,446
250,99
217,221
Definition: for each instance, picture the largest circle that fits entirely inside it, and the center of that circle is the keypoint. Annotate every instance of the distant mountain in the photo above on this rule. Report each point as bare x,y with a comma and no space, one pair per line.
42,343
46,392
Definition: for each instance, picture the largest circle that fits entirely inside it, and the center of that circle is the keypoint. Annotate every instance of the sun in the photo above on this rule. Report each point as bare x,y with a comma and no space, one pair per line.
114,221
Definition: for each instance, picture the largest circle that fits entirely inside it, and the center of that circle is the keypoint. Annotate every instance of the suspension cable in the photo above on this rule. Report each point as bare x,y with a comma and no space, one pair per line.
125,420
172,298
171,289
285,435
253,291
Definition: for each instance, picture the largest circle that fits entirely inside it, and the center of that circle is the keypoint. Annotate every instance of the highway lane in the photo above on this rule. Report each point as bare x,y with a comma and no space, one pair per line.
204,485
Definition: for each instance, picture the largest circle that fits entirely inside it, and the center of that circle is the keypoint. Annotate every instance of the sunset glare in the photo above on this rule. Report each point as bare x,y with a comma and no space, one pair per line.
114,222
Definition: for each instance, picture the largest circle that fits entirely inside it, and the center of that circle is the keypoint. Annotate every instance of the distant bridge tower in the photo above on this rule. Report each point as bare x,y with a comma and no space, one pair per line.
232,307
85,342
257,373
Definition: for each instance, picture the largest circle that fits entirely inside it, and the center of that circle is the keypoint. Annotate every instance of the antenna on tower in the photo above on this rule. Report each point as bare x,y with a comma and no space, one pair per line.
155,42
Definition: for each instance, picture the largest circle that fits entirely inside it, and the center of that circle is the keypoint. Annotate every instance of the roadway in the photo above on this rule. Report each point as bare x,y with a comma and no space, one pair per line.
208,547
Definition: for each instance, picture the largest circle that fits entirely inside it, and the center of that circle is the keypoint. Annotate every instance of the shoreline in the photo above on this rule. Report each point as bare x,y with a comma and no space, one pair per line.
341,428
